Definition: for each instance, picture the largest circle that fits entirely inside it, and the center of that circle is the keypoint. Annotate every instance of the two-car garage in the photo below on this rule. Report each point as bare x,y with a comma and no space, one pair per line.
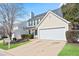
52,33
52,27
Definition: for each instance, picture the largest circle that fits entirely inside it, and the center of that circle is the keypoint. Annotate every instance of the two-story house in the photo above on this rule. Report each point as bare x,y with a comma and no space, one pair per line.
35,20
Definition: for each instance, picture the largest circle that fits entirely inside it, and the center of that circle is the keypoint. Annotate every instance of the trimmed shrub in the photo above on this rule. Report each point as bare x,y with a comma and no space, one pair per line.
72,36
30,36
4,37
23,36
27,36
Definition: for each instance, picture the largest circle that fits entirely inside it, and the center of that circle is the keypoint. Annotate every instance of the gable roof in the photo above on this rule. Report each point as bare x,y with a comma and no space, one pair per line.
57,13
37,17
40,16
64,20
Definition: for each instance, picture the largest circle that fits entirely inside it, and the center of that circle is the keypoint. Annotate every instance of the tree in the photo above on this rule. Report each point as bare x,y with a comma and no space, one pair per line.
8,14
71,12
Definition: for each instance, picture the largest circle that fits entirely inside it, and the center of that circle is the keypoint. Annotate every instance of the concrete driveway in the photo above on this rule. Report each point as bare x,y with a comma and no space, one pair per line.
38,48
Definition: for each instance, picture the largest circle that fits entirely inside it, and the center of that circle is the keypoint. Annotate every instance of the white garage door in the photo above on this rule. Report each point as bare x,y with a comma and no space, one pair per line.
52,34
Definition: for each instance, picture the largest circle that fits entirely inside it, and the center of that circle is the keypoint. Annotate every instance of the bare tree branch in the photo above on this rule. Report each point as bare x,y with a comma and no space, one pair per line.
8,14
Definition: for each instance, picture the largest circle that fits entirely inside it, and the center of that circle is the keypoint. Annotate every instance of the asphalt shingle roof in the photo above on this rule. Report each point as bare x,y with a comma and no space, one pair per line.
40,16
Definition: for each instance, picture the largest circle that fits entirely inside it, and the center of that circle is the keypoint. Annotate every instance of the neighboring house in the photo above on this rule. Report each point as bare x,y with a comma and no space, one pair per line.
49,25
18,29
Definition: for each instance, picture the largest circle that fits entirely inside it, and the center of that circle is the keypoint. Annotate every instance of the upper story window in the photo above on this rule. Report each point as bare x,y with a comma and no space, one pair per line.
34,22
37,21
29,23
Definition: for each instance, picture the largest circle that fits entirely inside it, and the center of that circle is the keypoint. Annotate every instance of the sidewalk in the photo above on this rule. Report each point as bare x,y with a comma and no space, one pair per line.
4,53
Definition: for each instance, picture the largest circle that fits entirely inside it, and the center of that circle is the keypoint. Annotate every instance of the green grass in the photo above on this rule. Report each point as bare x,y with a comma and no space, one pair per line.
5,47
70,50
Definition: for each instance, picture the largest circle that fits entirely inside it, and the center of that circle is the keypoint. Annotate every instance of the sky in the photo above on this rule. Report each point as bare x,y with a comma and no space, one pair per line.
38,8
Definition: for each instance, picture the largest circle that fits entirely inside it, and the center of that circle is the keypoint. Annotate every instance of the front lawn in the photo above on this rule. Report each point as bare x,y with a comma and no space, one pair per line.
70,50
14,45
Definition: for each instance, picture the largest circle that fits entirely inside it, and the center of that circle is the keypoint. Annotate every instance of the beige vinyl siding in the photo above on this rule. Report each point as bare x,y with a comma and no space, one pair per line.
51,21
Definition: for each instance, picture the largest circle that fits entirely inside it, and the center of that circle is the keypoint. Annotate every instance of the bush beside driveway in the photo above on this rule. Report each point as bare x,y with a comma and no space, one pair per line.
38,48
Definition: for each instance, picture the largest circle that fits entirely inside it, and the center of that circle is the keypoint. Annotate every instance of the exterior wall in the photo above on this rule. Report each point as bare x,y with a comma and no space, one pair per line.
52,21
31,22
34,23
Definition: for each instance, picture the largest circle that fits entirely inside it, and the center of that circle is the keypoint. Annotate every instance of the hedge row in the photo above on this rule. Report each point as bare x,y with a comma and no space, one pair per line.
72,36
27,36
